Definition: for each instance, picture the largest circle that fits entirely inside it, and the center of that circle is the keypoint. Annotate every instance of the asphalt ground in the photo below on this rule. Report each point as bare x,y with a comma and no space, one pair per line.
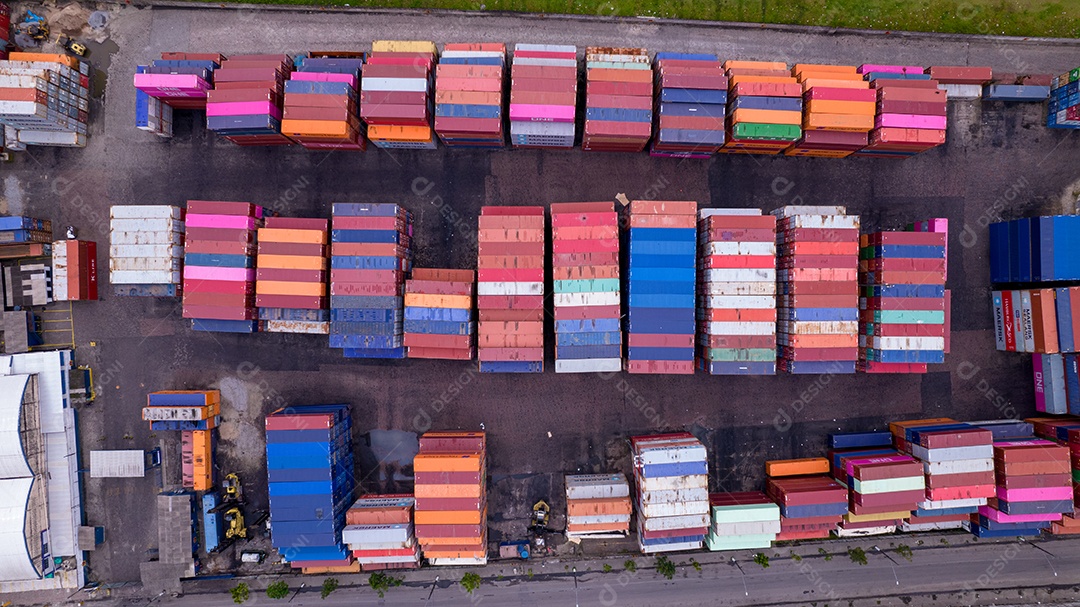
999,161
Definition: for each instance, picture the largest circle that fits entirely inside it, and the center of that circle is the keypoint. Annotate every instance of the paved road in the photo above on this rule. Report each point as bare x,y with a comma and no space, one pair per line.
969,574
999,160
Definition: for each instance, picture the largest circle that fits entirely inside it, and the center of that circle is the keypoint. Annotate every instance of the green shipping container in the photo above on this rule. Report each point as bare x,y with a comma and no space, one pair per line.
770,132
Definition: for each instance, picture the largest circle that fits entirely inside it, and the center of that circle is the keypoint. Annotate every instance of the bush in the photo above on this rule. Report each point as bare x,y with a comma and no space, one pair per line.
904,551
607,568
665,567
329,585
762,560
696,565
470,582
240,593
278,590
380,583
630,565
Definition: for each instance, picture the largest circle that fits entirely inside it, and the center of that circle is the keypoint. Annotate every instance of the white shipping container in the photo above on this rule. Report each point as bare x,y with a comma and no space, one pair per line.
671,455
297,326
120,463
22,81
644,59
399,534
942,526
1027,322
673,482
509,288
19,109
654,443
546,48
411,85
604,298
582,486
143,277
674,496
824,327
143,224
148,211
792,210
387,559
999,321
552,62
828,222
742,328
147,250
145,264
739,288
890,485
748,513
55,138
542,129
157,414
665,523
589,365
173,237
944,504
961,466
741,248
458,562
734,302
961,91
953,454
671,547
729,212
908,343
677,509
865,531
495,54
740,275
601,519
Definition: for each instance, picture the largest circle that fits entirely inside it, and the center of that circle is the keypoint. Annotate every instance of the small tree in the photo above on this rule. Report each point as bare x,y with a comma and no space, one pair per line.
329,585
278,590
665,567
762,560
240,593
470,581
380,582
858,555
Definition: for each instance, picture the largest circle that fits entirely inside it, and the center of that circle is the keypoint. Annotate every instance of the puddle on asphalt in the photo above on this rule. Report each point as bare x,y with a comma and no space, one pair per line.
386,458
100,56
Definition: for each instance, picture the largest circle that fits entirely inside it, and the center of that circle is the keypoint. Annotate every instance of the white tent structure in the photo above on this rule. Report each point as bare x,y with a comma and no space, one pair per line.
23,504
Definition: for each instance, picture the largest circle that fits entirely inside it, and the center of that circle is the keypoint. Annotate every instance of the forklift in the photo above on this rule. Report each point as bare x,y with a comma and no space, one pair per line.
71,45
232,502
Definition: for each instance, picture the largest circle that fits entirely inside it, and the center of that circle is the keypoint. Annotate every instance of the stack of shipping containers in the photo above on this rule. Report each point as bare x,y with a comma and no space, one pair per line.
451,497
1037,249
839,111
309,465
1064,111
5,29
219,265
1033,489
619,122
439,314
543,96
195,414
379,531
587,291
177,81
765,107
818,307
510,289
961,82
671,473
910,111
737,292
958,465
597,506
811,502
290,282
882,492
742,521
74,270
691,100
250,113
1064,430
18,229
320,105
396,94
370,256
469,85
662,267
146,250
26,282
902,311
46,100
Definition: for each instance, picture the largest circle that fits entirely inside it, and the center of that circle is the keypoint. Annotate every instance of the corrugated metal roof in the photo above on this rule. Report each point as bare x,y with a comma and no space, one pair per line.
52,370
15,560
13,462
120,463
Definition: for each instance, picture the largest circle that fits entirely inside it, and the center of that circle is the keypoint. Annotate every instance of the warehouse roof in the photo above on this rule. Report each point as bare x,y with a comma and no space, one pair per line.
13,460
16,563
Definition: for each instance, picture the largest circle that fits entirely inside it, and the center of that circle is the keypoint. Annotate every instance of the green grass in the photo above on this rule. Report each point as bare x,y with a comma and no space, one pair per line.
995,17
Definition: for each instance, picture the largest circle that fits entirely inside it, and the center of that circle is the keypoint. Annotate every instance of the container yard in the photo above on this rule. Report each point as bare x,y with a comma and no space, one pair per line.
680,299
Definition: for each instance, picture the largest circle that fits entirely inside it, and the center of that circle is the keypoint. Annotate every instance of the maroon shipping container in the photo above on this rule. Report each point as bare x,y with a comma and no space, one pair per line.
217,58
645,340
425,340
740,341
440,287
650,535
469,442
632,102
887,470
1031,481
318,100
375,276
948,74
287,275
219,247
836,138
241,300
1031,453
384,113
299,302
467,126
215,207
694,123
252,74
220,234
510,302
586,312
215,312
637,89
369,289
505,315
925,108
908,94
941,481
540,84
840,94
337,114
240,95
293,248
469,531
306,421
218,286
395,71
767,89
543,97
893,498
296,223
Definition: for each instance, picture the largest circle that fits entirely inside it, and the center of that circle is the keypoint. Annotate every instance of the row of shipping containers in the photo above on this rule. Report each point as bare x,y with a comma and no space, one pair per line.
44,99
38,270
475,94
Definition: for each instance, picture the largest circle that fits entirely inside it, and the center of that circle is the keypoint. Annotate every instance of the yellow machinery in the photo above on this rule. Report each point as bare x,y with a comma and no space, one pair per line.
234,521
70,45
234,492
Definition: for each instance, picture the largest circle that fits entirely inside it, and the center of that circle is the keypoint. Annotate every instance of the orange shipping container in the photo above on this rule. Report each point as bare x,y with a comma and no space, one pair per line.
456,490
446,543
822,341
834,83
423,300
447,462
463,553
737,80
598,507
399,133
448,517
288,235
276,287
839,122
664,207
767,116
829,106
822,67
796,467
316,128
292,262
754,65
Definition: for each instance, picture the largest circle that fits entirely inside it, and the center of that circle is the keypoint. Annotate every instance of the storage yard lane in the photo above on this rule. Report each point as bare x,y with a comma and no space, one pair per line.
998,160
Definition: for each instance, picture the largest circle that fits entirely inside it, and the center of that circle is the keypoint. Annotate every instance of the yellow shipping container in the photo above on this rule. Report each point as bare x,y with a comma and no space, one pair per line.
403,46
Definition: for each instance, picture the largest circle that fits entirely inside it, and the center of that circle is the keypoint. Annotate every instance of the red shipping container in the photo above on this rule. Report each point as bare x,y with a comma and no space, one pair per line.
218,286
503,314
424,340
510,302
586,312
219,299
511,275
510,354
298,302
646,340
300,249
367,289
663,367
217,313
